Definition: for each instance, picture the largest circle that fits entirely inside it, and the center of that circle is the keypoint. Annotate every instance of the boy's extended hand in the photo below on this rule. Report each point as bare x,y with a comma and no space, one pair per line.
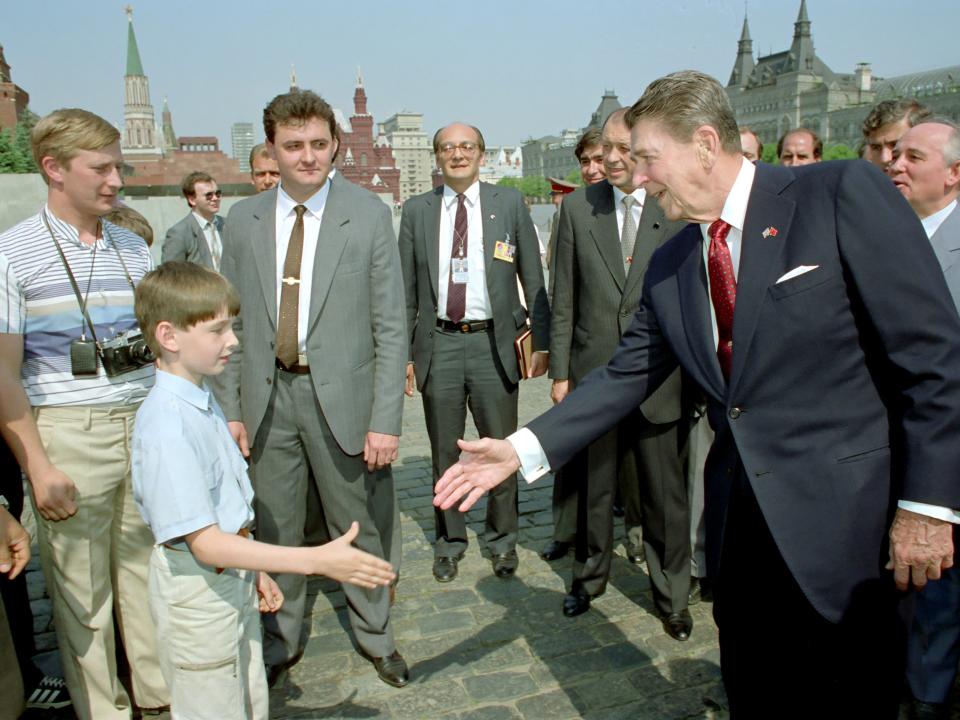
344,563
271,599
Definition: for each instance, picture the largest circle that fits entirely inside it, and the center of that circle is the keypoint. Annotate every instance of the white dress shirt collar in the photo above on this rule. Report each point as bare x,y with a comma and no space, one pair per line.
314,204
472,195
735,208
640,195
202,221
932,223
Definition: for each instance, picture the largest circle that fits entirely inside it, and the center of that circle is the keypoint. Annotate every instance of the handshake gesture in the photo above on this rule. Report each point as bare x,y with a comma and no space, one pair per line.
483,465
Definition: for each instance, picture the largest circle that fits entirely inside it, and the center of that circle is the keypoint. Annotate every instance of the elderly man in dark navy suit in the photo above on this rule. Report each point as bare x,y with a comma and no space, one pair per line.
809,307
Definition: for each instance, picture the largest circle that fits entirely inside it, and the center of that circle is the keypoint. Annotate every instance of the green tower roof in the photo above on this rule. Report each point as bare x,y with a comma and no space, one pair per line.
134,66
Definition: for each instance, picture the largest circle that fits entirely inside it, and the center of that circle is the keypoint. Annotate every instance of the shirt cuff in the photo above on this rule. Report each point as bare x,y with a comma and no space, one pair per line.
934,511
533,460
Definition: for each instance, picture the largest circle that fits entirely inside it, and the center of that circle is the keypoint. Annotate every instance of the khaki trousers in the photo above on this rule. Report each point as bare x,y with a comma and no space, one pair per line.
208,630
95,563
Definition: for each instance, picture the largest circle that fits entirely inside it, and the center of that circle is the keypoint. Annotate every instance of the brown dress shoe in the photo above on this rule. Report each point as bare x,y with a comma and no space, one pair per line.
392,669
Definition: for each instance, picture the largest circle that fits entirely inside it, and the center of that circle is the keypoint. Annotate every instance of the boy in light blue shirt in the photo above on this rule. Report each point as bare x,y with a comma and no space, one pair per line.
190,484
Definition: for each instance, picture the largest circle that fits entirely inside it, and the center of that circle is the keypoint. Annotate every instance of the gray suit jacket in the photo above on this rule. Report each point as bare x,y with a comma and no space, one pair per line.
594,300
356,343
946,246
503,213
186,241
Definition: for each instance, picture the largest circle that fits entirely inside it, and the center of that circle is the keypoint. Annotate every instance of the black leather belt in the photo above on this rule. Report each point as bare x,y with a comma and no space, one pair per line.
465,326
296,368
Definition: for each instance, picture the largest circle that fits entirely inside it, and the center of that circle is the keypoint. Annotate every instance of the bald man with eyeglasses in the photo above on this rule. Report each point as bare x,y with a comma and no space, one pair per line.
463,246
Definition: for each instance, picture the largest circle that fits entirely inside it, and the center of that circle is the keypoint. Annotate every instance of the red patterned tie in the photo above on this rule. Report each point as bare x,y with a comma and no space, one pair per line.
723,290
457,292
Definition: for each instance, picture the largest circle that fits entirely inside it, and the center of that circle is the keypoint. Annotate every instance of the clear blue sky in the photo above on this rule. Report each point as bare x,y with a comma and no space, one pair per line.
516,69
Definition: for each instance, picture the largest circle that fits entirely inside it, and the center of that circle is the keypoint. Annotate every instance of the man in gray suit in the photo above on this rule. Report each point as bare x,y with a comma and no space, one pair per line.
197,237
463,246
318,384
926,170
607,235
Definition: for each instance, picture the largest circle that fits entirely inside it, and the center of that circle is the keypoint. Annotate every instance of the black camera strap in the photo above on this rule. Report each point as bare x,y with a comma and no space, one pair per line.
81,299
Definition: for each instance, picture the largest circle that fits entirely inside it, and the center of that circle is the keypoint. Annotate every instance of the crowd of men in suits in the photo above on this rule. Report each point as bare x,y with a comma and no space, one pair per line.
806,316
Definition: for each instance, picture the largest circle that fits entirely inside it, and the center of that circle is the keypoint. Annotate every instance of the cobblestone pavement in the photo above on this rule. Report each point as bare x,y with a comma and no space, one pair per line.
481,648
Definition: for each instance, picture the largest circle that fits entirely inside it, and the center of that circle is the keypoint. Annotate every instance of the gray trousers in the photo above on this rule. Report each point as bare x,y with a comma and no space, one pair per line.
293,441
465,371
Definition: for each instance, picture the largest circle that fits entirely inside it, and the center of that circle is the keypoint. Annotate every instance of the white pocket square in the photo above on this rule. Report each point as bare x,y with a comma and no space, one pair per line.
799,270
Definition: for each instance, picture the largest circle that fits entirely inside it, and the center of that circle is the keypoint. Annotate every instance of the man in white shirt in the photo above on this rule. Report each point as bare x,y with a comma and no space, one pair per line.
806,304
926,171
196,238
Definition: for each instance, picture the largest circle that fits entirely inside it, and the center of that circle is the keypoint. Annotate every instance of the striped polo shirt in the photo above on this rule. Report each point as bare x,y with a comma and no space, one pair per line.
37,301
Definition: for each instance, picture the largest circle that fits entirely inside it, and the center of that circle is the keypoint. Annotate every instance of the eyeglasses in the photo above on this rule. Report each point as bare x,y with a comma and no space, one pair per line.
213,194
467,148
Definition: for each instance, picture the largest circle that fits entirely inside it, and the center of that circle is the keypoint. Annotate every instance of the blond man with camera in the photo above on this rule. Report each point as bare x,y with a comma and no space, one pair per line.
73,371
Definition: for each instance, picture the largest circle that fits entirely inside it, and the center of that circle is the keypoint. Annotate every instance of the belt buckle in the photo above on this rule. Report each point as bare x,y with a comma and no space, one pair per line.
302,360
464,327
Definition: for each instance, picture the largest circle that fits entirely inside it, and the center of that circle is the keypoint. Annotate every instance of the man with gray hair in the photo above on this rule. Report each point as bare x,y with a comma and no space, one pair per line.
926,170
885,124
805,303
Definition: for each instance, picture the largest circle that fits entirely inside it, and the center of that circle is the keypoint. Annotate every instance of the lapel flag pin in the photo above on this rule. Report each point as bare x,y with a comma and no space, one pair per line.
770,232
493,217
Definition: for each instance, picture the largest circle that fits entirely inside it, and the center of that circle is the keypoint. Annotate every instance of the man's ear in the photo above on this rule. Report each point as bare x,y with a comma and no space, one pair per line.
192,200
166,336
708,145
52,168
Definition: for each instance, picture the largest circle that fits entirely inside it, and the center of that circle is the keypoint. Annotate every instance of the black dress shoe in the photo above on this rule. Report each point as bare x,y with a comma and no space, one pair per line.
636,554
576,603
445,568
392,669
555,550
678,625
505,564
696,593
920,710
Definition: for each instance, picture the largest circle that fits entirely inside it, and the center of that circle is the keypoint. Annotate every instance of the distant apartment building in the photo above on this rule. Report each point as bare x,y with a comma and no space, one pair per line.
412,151
241,137
501,161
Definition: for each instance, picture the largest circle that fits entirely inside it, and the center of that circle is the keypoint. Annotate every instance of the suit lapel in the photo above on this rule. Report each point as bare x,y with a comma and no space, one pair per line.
946,240
695,310
607,237
331,240
758,255
263,239
490,211
649,235
431,236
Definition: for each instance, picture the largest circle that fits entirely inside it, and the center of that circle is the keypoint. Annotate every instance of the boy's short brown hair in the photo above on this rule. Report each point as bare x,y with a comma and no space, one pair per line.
65,132
182,294
127,217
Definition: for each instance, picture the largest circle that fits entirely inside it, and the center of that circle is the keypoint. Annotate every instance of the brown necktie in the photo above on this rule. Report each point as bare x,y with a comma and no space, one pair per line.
457,292
287,340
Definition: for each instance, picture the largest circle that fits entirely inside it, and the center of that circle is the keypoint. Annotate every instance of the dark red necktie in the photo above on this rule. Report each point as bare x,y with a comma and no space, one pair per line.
457,292
723,291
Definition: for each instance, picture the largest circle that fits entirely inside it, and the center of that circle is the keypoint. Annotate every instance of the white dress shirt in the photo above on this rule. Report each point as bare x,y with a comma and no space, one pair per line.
285,220
533,460
478,305
214,244
640,195
932,223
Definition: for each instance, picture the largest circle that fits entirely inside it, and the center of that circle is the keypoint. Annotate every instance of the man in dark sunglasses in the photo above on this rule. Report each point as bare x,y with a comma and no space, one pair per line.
196,238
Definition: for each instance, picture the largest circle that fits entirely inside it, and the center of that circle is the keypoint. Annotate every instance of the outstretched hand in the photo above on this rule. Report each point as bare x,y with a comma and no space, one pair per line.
483,465
346,564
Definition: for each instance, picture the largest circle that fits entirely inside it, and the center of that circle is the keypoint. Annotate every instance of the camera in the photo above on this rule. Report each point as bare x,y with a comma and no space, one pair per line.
127,351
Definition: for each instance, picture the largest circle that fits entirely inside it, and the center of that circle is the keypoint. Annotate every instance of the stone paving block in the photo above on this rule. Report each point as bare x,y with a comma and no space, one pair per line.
455,598
562,642
506,656
491,712
500,686
442,622
426,700
555,705
614,690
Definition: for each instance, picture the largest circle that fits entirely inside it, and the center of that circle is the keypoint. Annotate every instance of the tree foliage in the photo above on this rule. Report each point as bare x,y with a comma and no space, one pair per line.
15,153
574,177
530,186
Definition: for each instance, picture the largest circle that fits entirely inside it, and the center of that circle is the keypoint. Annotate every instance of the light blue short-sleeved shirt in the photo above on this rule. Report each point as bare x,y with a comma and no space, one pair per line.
187,471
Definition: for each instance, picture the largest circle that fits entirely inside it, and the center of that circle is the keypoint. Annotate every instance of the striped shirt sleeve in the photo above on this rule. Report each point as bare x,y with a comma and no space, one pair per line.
12,315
